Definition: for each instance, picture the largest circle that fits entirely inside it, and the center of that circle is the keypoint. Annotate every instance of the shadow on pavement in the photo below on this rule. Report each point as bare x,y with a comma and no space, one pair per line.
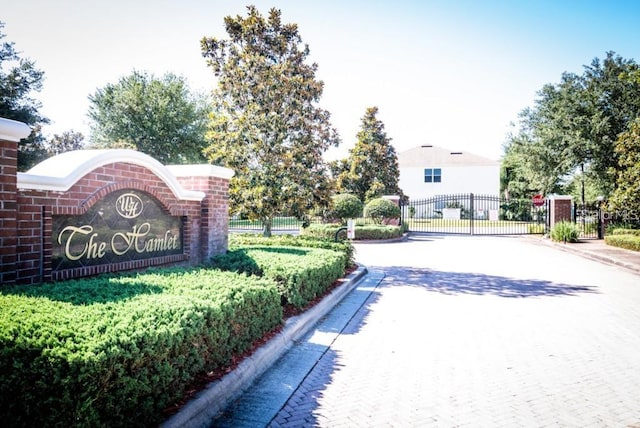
452,283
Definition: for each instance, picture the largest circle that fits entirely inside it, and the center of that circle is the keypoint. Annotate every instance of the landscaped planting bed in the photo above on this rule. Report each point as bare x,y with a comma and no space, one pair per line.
118,350
115,351
363,232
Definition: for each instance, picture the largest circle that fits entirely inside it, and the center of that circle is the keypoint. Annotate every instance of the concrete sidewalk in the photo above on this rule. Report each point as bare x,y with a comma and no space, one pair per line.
597,249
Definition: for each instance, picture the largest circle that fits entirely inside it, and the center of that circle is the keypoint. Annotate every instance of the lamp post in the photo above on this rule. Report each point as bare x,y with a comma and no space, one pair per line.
600,200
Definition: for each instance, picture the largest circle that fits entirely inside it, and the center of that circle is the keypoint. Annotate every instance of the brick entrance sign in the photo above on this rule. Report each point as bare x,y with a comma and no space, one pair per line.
87,212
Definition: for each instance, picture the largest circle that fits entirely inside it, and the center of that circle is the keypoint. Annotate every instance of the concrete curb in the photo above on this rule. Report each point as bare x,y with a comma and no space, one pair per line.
402,238
208,403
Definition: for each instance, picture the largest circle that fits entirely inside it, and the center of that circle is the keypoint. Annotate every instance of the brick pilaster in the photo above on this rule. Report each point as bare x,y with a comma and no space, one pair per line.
10,133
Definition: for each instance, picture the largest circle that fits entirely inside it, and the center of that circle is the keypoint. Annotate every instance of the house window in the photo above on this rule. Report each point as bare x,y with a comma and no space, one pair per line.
432,175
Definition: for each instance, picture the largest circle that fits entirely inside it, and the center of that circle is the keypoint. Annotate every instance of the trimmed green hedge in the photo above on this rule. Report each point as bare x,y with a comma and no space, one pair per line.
629,242
362,233
302,274
624,231
116,351
239,240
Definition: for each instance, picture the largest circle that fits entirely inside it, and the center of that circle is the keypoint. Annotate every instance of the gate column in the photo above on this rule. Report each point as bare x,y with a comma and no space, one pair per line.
11,132
560,209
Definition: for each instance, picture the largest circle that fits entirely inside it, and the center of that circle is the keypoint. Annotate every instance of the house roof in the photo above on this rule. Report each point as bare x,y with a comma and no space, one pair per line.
428,155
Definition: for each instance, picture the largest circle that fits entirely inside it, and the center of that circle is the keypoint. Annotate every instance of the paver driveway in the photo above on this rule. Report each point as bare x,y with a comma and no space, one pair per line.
480,331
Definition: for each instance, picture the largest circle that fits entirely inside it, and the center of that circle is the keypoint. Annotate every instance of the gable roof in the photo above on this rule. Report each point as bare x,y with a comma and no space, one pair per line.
428,155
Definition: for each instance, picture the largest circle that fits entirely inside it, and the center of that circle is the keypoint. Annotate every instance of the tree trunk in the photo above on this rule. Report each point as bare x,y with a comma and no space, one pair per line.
266,226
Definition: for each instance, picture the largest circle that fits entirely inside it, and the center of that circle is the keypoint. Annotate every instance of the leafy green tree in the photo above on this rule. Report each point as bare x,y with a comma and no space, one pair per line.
571,131
534,161
626,197
615,96
371,170
19,78
65,142
266,124
157,116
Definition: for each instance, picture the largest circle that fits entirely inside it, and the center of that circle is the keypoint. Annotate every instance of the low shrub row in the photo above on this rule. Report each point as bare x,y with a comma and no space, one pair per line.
302,274
629,241
362,232
624,231
116,351
239,240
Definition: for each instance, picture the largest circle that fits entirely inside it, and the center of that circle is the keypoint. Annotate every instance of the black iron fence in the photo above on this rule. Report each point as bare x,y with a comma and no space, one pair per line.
589,219
475,215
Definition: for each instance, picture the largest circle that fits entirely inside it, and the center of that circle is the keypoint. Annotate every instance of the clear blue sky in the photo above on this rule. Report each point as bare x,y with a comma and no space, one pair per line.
443,72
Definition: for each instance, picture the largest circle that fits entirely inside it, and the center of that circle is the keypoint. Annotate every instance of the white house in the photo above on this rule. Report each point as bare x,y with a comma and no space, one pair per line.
428,170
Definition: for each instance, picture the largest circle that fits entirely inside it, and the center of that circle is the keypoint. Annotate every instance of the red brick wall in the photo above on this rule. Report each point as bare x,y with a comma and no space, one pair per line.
561,210
26,218
8,241
215,212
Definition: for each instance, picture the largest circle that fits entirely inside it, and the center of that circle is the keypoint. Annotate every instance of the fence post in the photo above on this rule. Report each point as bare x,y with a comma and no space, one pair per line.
472,213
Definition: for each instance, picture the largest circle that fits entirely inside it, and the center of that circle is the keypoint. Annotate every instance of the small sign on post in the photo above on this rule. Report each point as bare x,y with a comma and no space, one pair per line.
538,200
351,228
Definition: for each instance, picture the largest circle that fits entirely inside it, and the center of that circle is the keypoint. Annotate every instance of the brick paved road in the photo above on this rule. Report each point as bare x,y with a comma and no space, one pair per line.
480,331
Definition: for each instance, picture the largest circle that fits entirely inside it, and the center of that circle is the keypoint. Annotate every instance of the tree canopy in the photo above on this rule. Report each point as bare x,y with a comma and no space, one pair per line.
157,116
65,142
265,123
571,131
626,197
371,170
19,78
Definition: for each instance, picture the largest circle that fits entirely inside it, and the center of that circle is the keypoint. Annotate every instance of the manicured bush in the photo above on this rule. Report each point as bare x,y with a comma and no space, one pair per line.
629,242
379,209
302,274
116,351
565,231
346,206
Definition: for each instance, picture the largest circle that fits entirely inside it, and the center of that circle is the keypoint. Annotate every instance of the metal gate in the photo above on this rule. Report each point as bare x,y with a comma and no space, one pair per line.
475,215
588,218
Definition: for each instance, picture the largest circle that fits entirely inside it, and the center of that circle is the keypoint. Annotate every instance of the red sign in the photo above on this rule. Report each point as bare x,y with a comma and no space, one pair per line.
538,200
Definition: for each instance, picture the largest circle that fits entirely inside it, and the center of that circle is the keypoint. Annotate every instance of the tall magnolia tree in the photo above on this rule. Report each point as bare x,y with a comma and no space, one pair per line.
157,116
266,124
371,170
19,79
